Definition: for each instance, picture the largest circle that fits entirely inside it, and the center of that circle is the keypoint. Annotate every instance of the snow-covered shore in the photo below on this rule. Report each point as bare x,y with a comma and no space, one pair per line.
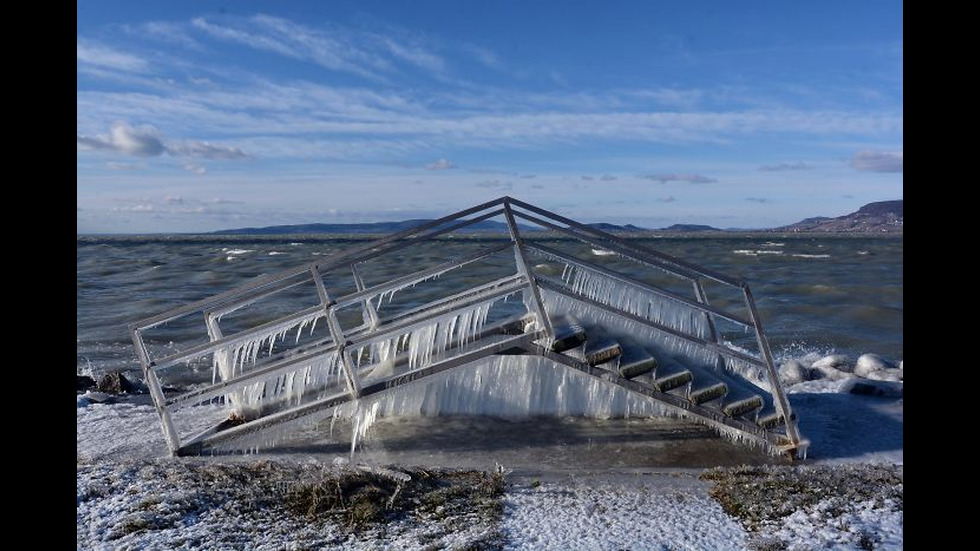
573,484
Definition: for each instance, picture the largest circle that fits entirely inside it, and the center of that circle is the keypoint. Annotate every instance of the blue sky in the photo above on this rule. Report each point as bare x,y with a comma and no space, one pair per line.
196,116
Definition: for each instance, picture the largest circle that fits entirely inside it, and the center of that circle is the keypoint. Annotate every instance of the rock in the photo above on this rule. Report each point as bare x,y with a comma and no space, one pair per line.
889,374
115,383
98,397
809,359
84,382
873,388
792,372
868,363
828,372
836,361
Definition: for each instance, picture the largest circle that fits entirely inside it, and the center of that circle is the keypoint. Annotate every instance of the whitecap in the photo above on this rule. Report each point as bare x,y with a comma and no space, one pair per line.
240,251
602,252
801,255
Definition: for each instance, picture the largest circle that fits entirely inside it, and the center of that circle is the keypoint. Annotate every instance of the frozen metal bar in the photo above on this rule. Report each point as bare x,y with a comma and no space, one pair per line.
416,277
611,245
542,315
782,403
703,306
195,352
156,392
679,404
563,290
270,421
337,334
370,312
345,257
637,249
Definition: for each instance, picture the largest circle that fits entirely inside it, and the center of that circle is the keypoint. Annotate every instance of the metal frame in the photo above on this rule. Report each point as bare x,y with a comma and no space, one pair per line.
375,328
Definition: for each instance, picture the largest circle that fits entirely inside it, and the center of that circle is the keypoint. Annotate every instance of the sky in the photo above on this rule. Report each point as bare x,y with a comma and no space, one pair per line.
198,115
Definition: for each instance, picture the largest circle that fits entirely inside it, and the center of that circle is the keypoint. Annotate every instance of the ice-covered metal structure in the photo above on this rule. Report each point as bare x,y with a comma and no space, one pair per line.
614,326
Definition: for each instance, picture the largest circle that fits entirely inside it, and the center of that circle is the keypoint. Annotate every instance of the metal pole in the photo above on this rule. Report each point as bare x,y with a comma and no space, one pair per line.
712,330
169,432
782,403
353,384
542,315
370,314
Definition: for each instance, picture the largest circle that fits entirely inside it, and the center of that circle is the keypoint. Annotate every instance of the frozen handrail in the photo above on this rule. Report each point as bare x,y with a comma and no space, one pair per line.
381,352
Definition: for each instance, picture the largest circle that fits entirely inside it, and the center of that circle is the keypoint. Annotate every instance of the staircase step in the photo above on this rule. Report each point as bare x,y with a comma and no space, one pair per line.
742,407
676,380
569,334
770,420
635,361
601,350
708,393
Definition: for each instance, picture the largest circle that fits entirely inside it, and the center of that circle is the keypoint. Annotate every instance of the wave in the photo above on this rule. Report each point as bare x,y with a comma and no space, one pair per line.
803,255
749,252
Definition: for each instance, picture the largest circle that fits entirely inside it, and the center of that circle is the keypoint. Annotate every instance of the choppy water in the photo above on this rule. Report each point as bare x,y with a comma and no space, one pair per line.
823,294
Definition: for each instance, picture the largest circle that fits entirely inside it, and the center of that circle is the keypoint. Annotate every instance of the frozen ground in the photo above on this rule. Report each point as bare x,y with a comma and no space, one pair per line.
573,483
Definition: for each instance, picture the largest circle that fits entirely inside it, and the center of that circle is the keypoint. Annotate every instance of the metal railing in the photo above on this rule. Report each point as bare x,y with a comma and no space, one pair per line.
342,350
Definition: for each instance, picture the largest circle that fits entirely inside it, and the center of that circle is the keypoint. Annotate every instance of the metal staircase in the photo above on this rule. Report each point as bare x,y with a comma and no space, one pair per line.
301,343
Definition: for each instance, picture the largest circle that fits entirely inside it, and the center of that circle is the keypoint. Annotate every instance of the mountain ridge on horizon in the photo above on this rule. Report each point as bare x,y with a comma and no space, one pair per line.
876,217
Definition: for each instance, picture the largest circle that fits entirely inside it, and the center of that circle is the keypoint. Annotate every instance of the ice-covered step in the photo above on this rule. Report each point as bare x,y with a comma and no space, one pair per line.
770,420
635,361
600,348
569,333
677,380
743,407
709,393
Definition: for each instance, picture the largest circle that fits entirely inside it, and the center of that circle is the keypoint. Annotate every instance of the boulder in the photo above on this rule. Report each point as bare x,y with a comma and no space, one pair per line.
828,372
84,382
809,359
865,387
98,397
115,383
792,372
868,363
886,375
836,361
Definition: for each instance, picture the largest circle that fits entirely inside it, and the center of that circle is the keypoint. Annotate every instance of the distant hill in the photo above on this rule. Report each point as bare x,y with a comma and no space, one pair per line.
366,228
606,227
488,226
880,217
690,228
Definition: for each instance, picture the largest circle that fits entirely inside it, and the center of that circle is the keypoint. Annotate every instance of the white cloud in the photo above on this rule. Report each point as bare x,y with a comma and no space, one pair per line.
205,150
878,161
688,178
166,31
140,142
200,170
485,56
147,141
94,53
441,164
334,51
111,165
780,167
416,55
